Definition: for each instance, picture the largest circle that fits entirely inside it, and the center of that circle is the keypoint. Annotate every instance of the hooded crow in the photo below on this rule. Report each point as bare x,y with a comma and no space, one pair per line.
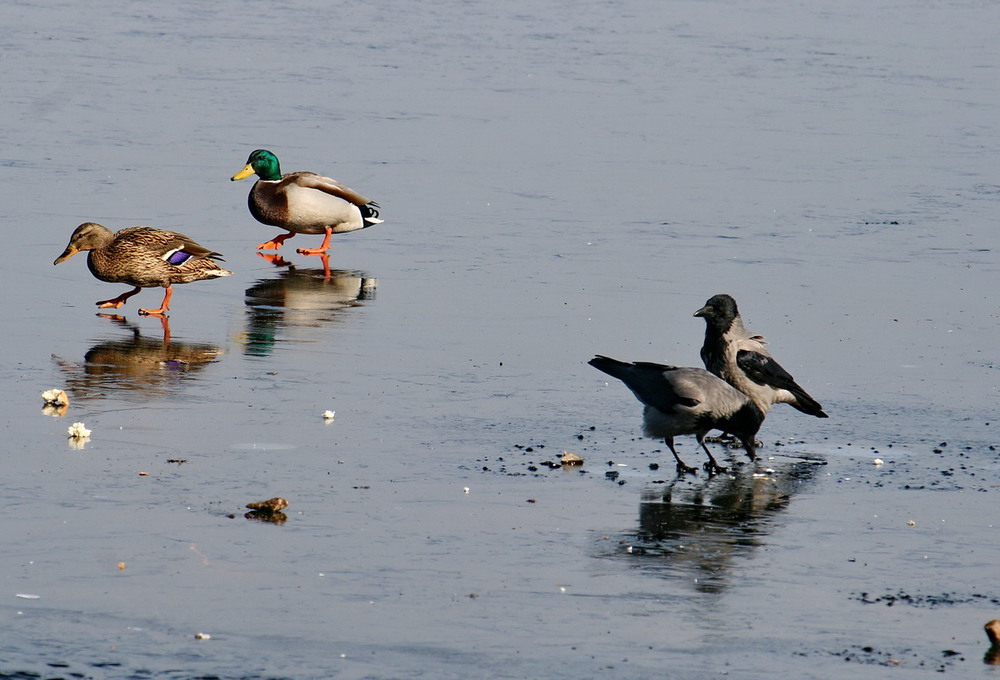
738,356
686,401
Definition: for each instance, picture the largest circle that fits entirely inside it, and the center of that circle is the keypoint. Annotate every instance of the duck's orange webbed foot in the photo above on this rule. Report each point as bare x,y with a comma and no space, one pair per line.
164,306
311,251
323,247
118,301
275,242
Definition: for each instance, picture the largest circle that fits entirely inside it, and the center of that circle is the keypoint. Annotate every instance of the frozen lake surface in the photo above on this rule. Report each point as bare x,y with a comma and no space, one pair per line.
557,180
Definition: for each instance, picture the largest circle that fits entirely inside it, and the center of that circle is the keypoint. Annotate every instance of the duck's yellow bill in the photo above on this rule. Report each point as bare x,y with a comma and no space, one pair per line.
243,174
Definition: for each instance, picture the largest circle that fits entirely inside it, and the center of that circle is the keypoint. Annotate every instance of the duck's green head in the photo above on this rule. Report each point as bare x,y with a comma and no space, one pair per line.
264,164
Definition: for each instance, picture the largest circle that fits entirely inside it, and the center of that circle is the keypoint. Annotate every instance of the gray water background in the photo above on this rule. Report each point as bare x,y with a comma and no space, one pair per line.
558,179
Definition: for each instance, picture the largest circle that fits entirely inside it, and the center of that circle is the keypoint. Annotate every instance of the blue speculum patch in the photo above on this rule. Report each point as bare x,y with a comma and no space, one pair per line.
177,257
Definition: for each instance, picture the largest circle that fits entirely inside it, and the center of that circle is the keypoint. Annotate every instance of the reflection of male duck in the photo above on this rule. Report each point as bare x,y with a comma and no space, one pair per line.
305,298
697,529
148,365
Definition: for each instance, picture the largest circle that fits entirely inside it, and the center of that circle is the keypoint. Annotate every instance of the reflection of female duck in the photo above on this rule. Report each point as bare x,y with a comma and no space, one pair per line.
137,363
301,298
143,257
992,655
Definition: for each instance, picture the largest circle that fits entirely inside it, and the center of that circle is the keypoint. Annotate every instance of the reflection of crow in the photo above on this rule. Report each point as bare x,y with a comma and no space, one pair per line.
148,365
697,530
300,298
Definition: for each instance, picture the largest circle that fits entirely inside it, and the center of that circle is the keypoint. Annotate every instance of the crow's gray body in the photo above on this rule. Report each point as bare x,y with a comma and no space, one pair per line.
686,401
738,356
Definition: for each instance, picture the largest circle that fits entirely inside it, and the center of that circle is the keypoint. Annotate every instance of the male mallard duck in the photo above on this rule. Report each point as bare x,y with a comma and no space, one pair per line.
143,257
303,203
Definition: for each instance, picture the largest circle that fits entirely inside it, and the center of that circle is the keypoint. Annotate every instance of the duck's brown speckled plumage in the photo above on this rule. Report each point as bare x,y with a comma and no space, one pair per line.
143,257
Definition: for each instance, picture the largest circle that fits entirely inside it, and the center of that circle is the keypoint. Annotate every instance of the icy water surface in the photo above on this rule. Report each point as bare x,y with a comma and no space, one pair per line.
557,180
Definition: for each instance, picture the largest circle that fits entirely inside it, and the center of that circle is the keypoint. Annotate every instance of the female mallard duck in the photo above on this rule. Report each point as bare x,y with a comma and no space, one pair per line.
143,257
303,203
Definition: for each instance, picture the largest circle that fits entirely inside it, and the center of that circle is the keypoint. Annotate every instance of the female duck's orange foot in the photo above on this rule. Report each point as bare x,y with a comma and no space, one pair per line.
164,307
118,301
275,242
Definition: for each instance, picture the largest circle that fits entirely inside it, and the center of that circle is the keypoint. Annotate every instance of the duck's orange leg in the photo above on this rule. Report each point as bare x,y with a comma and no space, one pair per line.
275,242
118,301
164,306
323,247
